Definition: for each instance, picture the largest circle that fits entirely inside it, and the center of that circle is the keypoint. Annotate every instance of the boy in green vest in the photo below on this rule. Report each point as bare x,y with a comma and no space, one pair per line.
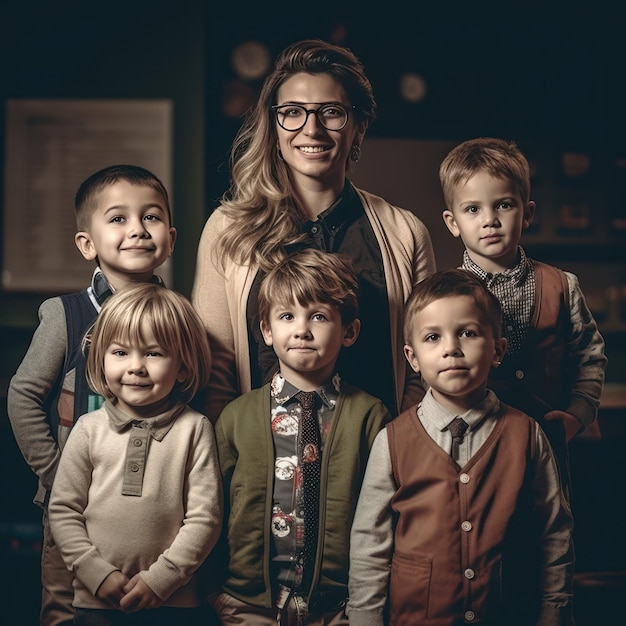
461,517
290,494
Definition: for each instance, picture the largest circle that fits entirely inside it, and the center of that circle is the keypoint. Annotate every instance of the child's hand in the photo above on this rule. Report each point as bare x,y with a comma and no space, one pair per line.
111,590
138,596
570,424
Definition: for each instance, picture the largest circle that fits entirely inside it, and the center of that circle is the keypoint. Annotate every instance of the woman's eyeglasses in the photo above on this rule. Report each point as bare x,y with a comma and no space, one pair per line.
293,117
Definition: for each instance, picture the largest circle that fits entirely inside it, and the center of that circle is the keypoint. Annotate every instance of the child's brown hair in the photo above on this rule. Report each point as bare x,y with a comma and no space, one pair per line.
311,275
497,157
453,282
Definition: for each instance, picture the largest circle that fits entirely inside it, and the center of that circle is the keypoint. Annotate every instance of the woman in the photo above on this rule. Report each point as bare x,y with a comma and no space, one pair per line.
289,166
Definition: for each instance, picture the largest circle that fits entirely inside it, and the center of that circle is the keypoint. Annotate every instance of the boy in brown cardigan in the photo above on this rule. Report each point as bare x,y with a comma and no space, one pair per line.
453,528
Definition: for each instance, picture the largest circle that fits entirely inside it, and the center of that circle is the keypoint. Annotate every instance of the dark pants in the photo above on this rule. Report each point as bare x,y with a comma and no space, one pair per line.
163,616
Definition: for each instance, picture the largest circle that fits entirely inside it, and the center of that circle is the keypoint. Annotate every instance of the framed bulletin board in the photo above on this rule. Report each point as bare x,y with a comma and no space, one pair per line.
51,147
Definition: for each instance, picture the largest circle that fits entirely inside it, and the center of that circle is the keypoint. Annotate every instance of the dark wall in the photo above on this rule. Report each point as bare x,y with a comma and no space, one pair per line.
102,50
550,73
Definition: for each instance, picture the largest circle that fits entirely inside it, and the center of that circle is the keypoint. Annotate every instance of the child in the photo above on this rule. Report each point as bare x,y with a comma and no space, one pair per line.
136,504
289,547
555,363
480,535
124,225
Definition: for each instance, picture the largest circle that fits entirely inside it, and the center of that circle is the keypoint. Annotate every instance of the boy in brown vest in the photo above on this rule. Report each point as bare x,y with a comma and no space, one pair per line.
461,517
554,366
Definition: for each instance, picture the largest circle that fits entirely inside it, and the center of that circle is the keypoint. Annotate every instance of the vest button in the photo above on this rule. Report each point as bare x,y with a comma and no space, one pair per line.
466,526
519,374
469,616
469,573
464,478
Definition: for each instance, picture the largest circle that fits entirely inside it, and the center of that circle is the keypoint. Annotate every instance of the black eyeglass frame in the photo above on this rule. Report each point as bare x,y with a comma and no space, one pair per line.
277,107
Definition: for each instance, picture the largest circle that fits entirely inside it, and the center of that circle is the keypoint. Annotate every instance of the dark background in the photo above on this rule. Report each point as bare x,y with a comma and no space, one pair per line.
549,76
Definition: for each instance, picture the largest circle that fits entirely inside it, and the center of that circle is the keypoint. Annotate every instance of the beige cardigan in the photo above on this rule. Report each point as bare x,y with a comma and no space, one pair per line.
221,298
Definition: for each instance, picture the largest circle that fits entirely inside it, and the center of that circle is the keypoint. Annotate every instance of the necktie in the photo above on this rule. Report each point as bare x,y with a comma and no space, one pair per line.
310,464
457,428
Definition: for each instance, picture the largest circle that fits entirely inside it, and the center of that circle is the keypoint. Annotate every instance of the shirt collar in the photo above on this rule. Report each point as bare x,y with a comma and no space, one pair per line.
343,210
516,274
158,426
282,390
100,288
441,417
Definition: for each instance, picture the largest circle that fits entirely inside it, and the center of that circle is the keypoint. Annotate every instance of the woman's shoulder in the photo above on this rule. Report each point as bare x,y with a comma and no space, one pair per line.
218,220
394,223
387,211
214,228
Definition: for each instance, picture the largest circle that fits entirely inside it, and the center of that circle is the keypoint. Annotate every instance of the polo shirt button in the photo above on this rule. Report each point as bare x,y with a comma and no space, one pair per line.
469,573
466,526
314,229
469,616
519,374
137,443
134,467
464,478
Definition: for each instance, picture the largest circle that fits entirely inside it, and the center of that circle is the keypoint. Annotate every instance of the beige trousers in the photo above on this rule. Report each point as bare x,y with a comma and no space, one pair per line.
233,612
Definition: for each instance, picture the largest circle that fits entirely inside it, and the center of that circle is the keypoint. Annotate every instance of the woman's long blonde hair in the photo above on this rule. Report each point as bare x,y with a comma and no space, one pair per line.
259,200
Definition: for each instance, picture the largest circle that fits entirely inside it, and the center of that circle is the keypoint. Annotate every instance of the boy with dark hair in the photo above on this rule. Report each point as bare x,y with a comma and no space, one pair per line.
124,224
293,453
461,517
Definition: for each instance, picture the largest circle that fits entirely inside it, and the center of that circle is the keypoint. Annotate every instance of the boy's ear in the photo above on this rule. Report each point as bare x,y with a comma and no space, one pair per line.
351,333
529,214
450,222
84,243
173,234
500,351
411,358
266,331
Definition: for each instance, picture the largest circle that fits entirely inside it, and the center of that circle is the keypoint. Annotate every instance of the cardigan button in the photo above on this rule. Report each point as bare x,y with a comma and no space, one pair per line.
519,374
469,573
466,526
469,616
464,478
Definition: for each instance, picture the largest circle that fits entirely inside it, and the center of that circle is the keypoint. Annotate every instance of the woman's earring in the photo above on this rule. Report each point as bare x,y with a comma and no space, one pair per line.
355,153
278,151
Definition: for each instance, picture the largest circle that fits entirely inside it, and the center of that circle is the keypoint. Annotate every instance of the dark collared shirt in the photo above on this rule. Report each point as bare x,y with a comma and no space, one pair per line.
515,289
343,228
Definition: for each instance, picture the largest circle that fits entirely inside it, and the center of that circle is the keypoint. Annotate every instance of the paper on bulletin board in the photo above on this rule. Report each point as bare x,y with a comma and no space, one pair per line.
51,147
